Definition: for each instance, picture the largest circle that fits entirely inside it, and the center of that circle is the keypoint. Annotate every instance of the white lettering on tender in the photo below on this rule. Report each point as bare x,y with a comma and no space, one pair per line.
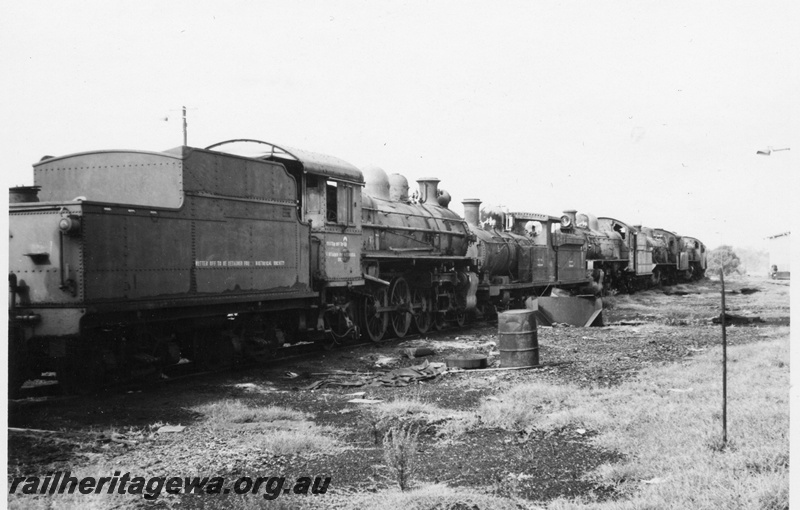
239,263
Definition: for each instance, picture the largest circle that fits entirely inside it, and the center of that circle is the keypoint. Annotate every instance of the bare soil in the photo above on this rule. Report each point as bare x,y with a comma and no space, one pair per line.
659,326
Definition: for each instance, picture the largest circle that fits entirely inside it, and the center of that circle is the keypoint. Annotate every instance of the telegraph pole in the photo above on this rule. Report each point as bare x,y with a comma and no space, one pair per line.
724,366
184,127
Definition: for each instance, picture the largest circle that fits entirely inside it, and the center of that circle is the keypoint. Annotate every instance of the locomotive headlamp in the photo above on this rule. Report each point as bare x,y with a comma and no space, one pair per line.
70,225
566,222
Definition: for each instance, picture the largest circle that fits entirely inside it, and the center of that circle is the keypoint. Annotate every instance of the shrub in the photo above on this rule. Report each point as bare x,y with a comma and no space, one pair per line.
723,258
400,453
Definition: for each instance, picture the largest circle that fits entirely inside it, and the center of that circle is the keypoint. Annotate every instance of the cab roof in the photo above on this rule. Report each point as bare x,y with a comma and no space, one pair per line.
312,162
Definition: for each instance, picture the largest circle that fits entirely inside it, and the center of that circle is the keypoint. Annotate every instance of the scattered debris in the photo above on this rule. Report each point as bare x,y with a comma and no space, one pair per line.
364,401
290,375
393,378
385,361
32,431
737,319
676,293
170,429
580,431
356,394
677,390
498,369
747,290
467,361
418,352
340,372
120,439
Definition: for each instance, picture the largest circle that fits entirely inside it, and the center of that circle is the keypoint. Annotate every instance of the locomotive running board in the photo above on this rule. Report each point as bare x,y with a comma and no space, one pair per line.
575,311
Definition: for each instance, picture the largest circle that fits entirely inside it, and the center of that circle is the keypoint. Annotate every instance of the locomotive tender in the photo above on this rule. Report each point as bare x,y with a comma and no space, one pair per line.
127,262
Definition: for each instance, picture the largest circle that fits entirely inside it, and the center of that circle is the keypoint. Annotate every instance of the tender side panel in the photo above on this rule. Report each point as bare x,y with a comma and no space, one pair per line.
121,177
136,254
226,175
37,256
247,238
255,247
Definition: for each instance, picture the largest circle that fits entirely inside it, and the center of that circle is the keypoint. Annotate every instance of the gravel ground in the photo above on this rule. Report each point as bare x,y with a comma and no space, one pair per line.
119,430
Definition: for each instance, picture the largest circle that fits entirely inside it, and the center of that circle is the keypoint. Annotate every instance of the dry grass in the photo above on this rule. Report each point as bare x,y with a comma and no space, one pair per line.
273,430
402,412
524,406
668,424
426,497
230,413
290,442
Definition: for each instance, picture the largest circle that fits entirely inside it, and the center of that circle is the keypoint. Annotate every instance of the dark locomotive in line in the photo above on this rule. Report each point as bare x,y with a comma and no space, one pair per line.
123,263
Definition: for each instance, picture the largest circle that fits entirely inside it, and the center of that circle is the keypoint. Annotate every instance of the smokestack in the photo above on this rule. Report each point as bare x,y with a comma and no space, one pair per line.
429,190
472,211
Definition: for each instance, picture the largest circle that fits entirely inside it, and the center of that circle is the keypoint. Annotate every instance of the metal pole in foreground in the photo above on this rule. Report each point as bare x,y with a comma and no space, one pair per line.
724,367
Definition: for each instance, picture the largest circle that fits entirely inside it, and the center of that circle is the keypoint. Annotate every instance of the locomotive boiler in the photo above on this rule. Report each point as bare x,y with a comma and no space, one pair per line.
521,256
415,257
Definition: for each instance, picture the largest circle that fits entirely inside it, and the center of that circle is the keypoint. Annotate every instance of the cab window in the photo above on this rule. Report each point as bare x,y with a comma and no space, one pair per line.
339,203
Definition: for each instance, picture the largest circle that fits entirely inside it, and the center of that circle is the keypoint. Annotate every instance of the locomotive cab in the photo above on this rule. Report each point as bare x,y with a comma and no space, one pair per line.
330,202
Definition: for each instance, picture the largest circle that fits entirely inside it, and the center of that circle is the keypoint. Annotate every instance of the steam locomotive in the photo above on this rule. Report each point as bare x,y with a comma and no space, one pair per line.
627,258
123,263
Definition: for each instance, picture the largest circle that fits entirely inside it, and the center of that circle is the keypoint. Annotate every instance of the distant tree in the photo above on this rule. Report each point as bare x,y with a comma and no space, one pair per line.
723,258
752,260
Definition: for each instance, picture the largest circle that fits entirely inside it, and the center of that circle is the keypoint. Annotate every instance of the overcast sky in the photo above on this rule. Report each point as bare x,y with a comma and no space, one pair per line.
650,112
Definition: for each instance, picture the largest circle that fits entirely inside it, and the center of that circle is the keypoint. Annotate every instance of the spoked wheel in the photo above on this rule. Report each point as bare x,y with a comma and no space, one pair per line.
376,322
400,296
423,318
